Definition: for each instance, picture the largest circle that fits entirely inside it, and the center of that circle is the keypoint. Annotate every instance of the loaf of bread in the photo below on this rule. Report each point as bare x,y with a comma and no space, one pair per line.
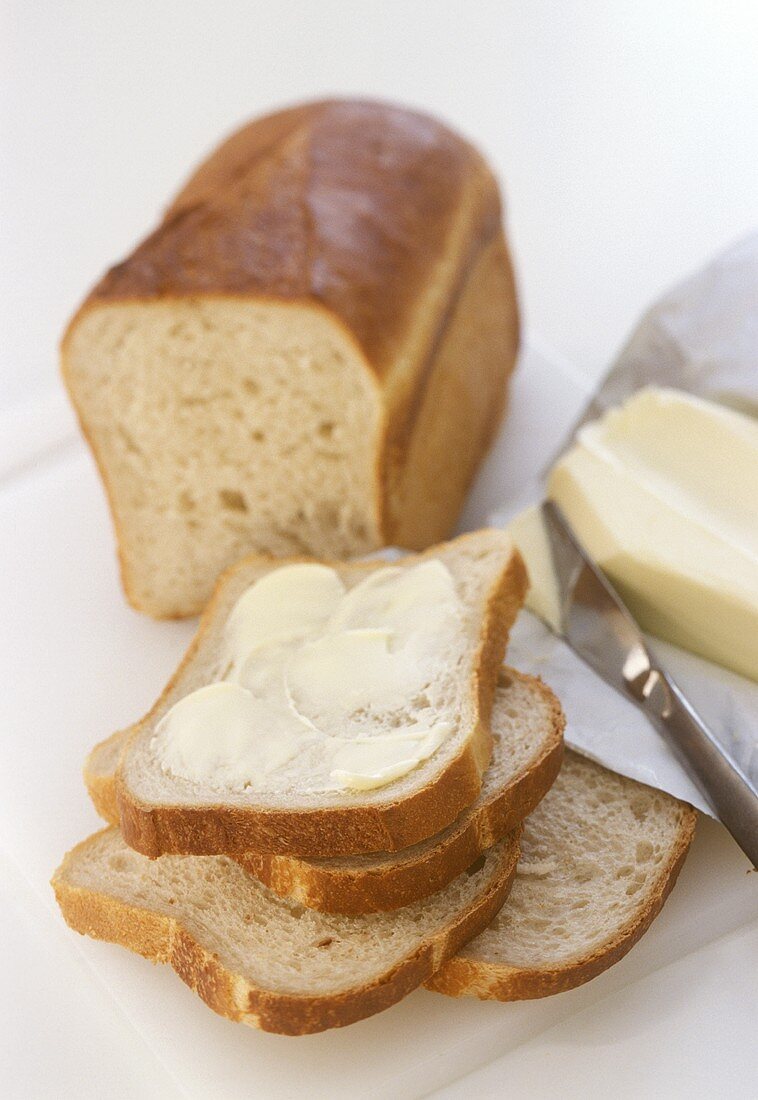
310,354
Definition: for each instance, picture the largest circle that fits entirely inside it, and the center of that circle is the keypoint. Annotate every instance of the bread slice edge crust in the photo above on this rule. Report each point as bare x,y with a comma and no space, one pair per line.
333,891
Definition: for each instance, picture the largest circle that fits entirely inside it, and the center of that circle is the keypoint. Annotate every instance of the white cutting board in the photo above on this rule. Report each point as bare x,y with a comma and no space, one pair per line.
87,1019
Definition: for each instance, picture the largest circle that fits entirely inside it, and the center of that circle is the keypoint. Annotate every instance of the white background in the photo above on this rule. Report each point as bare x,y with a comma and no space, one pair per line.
626,135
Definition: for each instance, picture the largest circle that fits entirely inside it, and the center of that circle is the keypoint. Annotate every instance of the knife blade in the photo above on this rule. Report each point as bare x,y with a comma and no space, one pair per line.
598,626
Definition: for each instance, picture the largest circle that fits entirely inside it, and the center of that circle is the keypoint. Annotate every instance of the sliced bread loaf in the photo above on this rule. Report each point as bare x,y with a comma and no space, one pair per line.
600,855
310,353
261,959
527,734
161,811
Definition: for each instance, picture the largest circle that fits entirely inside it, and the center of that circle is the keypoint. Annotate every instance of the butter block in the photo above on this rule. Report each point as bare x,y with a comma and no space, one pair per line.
663,493
527,530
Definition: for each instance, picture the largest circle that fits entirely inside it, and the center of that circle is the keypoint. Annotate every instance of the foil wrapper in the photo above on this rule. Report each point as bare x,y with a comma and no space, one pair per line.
701,337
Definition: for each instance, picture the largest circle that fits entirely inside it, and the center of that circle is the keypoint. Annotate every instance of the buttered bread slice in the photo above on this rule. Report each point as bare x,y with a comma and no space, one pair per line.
327,710
527,733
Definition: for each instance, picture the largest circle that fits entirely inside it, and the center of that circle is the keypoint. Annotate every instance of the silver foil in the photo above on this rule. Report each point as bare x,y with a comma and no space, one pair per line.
702,337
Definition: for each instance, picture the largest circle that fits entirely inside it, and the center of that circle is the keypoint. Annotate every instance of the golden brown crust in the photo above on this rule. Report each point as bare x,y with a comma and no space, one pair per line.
340,830
163,940
435,449
326,831
354,889
100,783
467,977
260,217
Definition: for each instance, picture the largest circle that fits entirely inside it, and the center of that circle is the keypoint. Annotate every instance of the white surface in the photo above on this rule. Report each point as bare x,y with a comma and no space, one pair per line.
59,1012
624,133
575,1050
78,664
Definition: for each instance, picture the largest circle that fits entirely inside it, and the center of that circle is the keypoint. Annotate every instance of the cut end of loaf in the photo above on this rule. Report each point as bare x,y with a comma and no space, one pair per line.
221,425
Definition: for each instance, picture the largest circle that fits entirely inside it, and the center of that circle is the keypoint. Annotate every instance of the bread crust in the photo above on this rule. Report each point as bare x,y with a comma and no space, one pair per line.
332,830
258,218
466,977
341,889
101,785
453,415
162,939
370,213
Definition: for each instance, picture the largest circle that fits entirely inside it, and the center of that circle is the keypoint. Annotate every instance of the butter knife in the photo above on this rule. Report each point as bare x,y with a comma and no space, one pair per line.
597,625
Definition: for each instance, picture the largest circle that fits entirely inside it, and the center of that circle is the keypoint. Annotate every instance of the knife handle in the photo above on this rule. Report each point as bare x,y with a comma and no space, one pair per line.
731,792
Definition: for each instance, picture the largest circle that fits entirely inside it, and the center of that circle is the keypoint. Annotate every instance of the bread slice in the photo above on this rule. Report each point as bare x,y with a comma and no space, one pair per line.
310,354
527,733
261,959
163,813
600,855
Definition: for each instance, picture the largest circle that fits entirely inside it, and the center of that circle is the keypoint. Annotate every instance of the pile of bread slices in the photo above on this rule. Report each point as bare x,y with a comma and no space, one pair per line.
342,794
495,866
